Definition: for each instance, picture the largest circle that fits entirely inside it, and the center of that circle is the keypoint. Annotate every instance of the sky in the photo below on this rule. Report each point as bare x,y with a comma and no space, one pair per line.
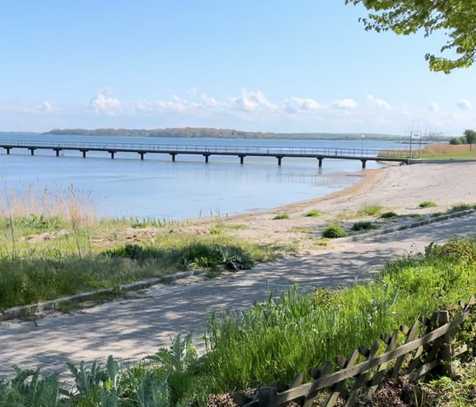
270,65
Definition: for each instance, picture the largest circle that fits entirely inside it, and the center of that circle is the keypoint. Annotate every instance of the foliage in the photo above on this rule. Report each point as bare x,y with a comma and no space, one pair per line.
274,340
281,216
370,210
334,232
388,215
427,204
363,226
457,18
313,213
468,138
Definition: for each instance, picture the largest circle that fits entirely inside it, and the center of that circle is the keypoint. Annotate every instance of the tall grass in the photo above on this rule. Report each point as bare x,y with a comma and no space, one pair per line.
273,341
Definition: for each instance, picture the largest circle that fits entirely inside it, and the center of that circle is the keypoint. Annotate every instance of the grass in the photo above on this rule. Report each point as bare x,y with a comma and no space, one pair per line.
370,210
334,231
448,152
272,341
388,215
363,226
313,213
44,258
281,216
427,204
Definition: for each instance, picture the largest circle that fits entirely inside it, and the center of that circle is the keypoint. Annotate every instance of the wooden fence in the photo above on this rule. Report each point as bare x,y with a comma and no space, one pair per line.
410,353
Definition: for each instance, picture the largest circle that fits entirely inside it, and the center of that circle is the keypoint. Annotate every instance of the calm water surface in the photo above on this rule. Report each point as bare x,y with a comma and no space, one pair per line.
187,188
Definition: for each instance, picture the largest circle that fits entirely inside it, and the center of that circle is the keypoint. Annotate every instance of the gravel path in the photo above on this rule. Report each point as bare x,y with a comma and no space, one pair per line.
135,327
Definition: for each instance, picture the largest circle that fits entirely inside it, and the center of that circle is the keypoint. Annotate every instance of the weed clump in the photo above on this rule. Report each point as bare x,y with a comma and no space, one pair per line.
363,226
313,213
427,204
281,216
388,215
370,210
334,232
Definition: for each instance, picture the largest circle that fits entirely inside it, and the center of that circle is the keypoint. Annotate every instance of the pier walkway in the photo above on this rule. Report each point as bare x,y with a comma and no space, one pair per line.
241,152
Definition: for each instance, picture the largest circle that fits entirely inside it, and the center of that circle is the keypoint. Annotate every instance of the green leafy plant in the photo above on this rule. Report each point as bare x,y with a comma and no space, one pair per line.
313,213
388,215
427,204
370,210
281,216
334,232
363,226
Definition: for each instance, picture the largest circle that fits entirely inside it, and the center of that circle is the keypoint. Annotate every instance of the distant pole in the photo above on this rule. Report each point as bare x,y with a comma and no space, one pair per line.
362,138
411,145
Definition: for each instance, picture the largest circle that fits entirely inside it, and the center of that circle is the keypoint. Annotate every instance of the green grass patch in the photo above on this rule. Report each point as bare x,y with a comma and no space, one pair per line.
274,340
363,226
281,216
427,204
370,210
313,213
334,232
461,207
388,215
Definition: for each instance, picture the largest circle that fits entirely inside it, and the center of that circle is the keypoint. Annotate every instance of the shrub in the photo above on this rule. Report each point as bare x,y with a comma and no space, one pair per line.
388,215
427,204
363,226
461,207
334,232
456,250
370,210
281,216
313,213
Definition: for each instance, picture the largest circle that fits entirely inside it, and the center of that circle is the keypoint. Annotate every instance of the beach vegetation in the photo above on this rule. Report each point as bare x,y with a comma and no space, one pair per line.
334,231
363,226
281,216
461,207
427,204
388,215
313,213
370,210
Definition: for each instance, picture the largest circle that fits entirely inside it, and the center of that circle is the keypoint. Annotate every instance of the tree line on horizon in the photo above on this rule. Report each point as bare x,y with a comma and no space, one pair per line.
468,137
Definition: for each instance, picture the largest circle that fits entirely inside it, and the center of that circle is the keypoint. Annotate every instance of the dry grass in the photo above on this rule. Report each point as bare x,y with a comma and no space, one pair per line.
447,151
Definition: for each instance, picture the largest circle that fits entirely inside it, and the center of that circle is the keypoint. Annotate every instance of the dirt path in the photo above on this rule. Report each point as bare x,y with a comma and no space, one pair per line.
133,328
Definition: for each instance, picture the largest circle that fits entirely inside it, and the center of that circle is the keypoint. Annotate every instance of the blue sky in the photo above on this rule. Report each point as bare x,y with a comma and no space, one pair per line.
303,65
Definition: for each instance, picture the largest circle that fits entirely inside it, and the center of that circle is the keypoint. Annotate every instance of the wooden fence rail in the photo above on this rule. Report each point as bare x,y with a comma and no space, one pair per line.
410,353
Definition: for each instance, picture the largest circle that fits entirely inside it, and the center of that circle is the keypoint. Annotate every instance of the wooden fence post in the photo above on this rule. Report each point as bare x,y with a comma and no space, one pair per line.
446,348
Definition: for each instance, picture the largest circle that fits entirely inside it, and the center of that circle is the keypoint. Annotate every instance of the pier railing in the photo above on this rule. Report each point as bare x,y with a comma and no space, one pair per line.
216,149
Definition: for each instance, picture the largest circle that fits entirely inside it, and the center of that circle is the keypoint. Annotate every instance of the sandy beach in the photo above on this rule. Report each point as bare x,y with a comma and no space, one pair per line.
394,188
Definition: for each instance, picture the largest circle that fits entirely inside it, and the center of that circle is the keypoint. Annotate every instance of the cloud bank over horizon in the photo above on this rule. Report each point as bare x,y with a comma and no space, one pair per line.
250,110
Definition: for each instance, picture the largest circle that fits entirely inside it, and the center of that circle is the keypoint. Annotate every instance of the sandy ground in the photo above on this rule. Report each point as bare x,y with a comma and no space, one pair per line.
395,188
133,328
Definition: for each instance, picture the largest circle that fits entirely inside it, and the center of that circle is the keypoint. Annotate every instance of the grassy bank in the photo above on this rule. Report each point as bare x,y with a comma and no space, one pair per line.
272,341
44,258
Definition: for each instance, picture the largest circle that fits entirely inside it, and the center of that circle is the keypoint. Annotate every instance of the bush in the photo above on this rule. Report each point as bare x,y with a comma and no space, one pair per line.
388,215
281,216
313,213
334,232
461,207
456,250
363,226
427,204
370,210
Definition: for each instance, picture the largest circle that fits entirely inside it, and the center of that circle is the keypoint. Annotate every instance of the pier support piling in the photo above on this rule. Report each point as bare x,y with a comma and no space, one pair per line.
320,159
173,156
57,151
279,160
83,152
8,150
32,151
113,153
142,156
206,158
364,164
242,159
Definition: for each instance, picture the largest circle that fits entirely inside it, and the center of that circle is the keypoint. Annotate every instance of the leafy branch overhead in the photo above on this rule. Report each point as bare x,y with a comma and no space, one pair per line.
457,18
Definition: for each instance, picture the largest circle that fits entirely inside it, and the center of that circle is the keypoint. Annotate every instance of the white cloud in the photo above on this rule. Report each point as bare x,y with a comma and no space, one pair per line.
104,103
297,105
45,107
378,102
345,104
253,100
464,104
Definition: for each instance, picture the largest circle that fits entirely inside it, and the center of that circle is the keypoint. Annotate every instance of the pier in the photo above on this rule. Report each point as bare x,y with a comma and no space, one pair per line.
241,152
